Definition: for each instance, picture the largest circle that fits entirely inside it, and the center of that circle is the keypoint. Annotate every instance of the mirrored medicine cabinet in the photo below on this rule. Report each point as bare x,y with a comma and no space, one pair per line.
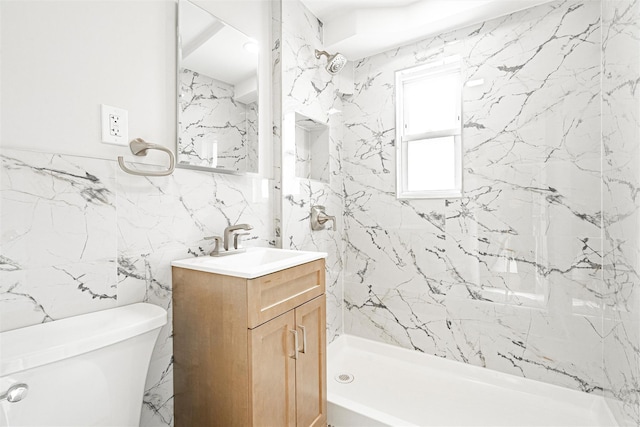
217,99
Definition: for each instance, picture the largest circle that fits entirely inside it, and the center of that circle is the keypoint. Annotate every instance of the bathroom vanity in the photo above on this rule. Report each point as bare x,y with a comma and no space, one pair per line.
250,351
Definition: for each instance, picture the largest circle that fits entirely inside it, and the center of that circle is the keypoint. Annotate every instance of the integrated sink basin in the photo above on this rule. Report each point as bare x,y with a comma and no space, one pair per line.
255,262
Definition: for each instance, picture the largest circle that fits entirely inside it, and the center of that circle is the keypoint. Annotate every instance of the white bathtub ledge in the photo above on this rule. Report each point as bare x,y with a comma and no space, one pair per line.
401,387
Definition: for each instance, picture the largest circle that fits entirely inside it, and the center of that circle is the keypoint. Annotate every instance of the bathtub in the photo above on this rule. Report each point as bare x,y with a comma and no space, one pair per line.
373,384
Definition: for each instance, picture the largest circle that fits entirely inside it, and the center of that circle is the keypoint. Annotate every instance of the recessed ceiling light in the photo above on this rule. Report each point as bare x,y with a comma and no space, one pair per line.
251,47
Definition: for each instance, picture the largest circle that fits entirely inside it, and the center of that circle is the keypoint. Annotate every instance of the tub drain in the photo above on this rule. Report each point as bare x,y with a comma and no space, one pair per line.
344,378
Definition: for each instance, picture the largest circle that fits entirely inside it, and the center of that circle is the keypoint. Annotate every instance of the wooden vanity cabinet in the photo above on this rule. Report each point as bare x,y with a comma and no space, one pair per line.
235,357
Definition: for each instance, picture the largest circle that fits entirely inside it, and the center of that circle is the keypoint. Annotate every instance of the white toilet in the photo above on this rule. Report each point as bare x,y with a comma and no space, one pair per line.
87,370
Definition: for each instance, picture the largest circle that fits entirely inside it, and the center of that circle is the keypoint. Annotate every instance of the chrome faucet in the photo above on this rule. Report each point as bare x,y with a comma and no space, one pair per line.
229,231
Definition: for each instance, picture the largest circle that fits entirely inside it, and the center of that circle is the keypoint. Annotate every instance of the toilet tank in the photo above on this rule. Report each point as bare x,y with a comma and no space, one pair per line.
86,370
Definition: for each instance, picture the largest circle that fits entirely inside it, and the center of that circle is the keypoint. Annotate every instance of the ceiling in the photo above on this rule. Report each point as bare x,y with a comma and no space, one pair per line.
328,9
361,28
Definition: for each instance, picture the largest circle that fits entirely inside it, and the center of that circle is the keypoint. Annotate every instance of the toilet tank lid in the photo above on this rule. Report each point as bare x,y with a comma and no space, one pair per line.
37,345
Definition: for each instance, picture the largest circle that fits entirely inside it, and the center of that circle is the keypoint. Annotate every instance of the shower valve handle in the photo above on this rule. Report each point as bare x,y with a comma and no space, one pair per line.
319,218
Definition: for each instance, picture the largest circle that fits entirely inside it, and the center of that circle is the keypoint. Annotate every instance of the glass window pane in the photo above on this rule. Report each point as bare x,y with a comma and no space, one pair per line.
431,164
430,103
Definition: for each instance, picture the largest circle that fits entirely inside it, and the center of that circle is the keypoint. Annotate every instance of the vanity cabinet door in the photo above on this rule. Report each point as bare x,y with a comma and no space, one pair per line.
311,375
273,373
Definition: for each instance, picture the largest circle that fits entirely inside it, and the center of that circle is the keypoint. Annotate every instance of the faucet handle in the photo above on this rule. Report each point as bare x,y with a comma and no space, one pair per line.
216,248
236,239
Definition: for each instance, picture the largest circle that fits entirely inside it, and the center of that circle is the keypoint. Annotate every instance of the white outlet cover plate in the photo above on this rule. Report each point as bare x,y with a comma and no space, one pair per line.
121,136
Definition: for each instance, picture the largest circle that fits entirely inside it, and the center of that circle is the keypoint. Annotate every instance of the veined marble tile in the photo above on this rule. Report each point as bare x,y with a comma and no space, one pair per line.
132,284
58,245
467,278
308,89
226,139
157,404
38,295
554,347
620,368
370,148
55,210
187,207
481,333
620,135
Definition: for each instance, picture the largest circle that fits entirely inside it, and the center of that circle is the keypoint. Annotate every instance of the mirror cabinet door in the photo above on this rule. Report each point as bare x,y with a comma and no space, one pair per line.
217,94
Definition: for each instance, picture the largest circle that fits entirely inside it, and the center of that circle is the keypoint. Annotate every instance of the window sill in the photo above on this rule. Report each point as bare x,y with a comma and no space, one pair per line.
444,194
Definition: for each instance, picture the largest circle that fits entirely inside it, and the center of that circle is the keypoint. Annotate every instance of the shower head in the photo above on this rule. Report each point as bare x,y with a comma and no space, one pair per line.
335,63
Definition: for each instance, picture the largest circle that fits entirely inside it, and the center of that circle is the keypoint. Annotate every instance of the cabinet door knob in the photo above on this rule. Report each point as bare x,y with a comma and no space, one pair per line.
295,344
304,339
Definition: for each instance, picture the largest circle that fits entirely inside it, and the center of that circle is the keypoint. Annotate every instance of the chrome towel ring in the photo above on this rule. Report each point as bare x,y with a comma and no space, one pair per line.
139,147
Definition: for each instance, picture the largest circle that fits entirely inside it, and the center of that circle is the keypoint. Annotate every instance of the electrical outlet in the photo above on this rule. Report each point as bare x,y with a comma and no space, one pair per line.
115,125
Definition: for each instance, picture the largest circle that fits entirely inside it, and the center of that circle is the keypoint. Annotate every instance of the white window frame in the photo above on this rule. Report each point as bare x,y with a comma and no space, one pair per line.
451,65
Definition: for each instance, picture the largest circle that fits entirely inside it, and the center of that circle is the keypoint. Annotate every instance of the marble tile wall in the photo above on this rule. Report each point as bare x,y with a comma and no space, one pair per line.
312,92
425,274
621,163
227,139
80,235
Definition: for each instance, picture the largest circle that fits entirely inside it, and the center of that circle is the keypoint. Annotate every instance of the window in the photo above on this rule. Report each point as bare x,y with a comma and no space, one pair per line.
428,131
